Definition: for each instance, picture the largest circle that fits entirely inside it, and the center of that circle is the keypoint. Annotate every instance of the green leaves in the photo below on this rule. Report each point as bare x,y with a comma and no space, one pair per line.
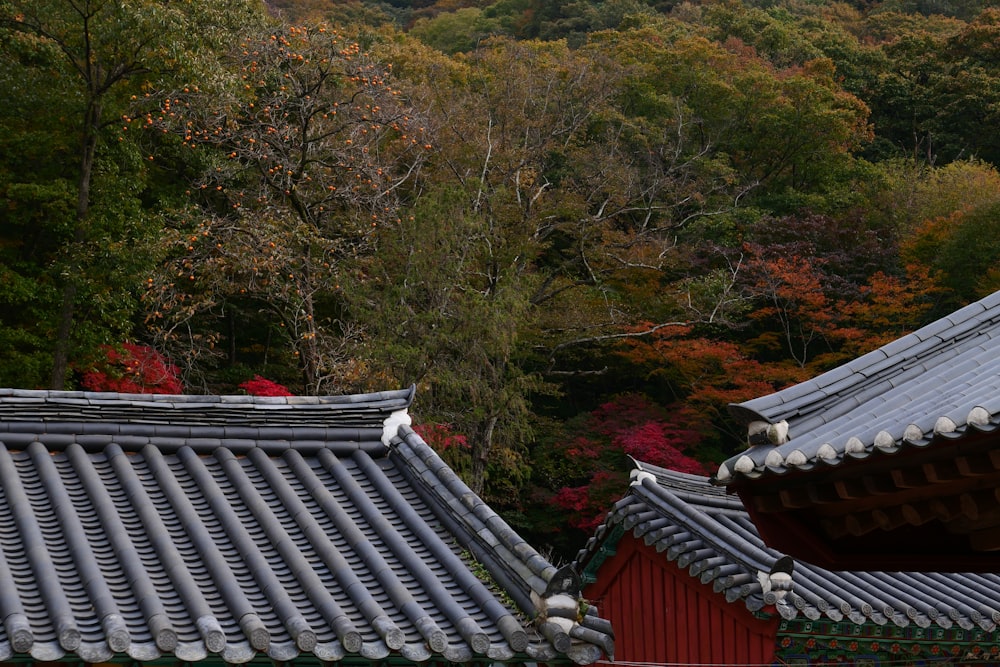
309,150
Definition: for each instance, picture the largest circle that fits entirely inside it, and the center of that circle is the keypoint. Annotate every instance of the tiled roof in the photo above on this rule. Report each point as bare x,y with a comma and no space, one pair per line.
702,529
941,382
144,527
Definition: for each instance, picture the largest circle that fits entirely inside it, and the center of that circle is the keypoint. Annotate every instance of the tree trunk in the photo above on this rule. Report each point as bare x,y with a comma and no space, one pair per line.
481,449
67,311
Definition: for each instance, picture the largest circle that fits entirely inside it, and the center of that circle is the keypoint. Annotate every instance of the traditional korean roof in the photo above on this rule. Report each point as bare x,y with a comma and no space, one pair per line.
938,384
889,462
229,527
709,533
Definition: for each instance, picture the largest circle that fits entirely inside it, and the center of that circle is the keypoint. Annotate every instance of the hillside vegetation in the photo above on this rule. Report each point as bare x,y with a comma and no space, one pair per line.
580,228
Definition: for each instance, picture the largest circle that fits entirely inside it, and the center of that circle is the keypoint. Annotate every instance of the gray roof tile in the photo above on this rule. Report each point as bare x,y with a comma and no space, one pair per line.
709,533
942,370
150,526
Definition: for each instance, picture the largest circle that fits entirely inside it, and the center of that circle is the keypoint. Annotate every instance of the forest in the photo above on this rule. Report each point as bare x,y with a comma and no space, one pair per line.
581,229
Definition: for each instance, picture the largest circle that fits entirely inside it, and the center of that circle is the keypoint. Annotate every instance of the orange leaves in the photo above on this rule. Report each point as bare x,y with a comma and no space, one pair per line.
310,121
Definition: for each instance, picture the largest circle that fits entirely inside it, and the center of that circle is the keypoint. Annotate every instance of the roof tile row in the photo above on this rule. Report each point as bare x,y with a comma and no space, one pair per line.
709,533
189,535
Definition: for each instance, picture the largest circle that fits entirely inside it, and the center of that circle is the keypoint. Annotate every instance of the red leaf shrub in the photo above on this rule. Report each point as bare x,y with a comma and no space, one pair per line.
657,443
441,437
132,369
261,386
629,425
588,504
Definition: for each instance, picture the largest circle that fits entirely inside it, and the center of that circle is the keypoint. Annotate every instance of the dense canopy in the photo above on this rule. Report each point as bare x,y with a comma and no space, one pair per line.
581,229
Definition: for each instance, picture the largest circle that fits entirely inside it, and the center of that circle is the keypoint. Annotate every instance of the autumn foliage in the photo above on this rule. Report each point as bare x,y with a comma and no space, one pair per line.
441,437
132,369
312,144
628,426
261,386
579,236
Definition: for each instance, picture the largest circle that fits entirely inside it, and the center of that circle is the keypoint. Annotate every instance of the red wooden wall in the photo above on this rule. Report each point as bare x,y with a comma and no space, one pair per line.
661,614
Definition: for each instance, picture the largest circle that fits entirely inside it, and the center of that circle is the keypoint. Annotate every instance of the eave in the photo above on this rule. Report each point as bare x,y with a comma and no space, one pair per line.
936,508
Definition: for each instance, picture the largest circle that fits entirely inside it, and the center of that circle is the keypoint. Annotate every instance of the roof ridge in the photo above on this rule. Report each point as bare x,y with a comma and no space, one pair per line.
720,547
77,407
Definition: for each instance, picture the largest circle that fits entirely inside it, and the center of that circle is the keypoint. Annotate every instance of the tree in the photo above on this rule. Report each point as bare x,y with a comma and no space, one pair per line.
597,445
455,32
131,369
890,307
97,52
698,376
938,87
453,291
957,250
309,154
571,177
37,204
908,193
532,221
261,386
447,297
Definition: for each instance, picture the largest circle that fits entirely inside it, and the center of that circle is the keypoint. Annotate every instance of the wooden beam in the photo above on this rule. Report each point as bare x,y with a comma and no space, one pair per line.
849,489
985,540
889,518
834,527
970,506
768,503
860,524
908,478
878,485
822,494
938,472
975,466
945,509
917,514
795,498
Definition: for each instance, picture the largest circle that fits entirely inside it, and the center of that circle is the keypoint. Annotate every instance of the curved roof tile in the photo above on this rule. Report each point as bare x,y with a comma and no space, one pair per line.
940,382
703,529
190,526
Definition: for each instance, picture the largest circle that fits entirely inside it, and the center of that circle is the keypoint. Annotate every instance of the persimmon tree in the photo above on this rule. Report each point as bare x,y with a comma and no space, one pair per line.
97,53
309,153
